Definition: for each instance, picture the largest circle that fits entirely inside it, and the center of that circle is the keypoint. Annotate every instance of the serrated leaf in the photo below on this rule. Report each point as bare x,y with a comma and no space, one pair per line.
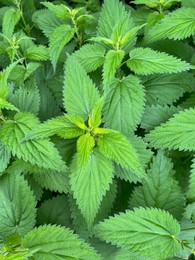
39,53
95,118
30,68
145,61
27,97
90,183
174,86
90,56
155,3
6,105
78,89
177,133
57,242
150,232
5,156
17,206
115,146
59,38
54,211
177,25
190,192
155,115
10,19
124,104
85,145
61,125
160,190
38,152
34,186
113,60
61,10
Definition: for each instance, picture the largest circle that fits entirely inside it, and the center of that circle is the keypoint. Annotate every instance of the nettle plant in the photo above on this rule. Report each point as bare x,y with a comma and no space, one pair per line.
97,129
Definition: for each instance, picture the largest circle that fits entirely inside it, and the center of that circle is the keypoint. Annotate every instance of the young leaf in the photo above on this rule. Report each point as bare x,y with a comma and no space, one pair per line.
90,56
10,19
90,183
37,53
124,104
38,152
59,38
5,156
61,10
56,242
145,61
177,133
95,118
85,145
177,25
61,125
160,190
17,206
150,232
6,105
115,146
80,94
113,60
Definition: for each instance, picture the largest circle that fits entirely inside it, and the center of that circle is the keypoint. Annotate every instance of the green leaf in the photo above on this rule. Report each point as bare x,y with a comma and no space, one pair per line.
177,133
5,156
10,19
27,97
160,190
59,38
17,205
95,118
113,60
6,105
78,89
38,152
150,232
166,89
85,145
145,61
60,10
190,193
124,104
177,25
115,146
90,56
55,242
61,125
39,53
54,211
155,3
90,183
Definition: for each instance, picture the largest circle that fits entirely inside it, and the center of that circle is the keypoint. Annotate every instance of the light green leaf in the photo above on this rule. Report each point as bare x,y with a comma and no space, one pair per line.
27,97
188,3
38,152
61,125
115,146
61,10
90,183
80,94
155,3
177,25
124,104
39,53
85,145
160,190
10,19
59,38
30,68
150,232
5,156
177,133
6,105
145,61
95,118
56,242
113,60
17,206
90,56
191,193
54,211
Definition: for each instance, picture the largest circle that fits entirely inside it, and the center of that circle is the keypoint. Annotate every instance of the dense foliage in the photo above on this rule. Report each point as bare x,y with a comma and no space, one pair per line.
97,129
